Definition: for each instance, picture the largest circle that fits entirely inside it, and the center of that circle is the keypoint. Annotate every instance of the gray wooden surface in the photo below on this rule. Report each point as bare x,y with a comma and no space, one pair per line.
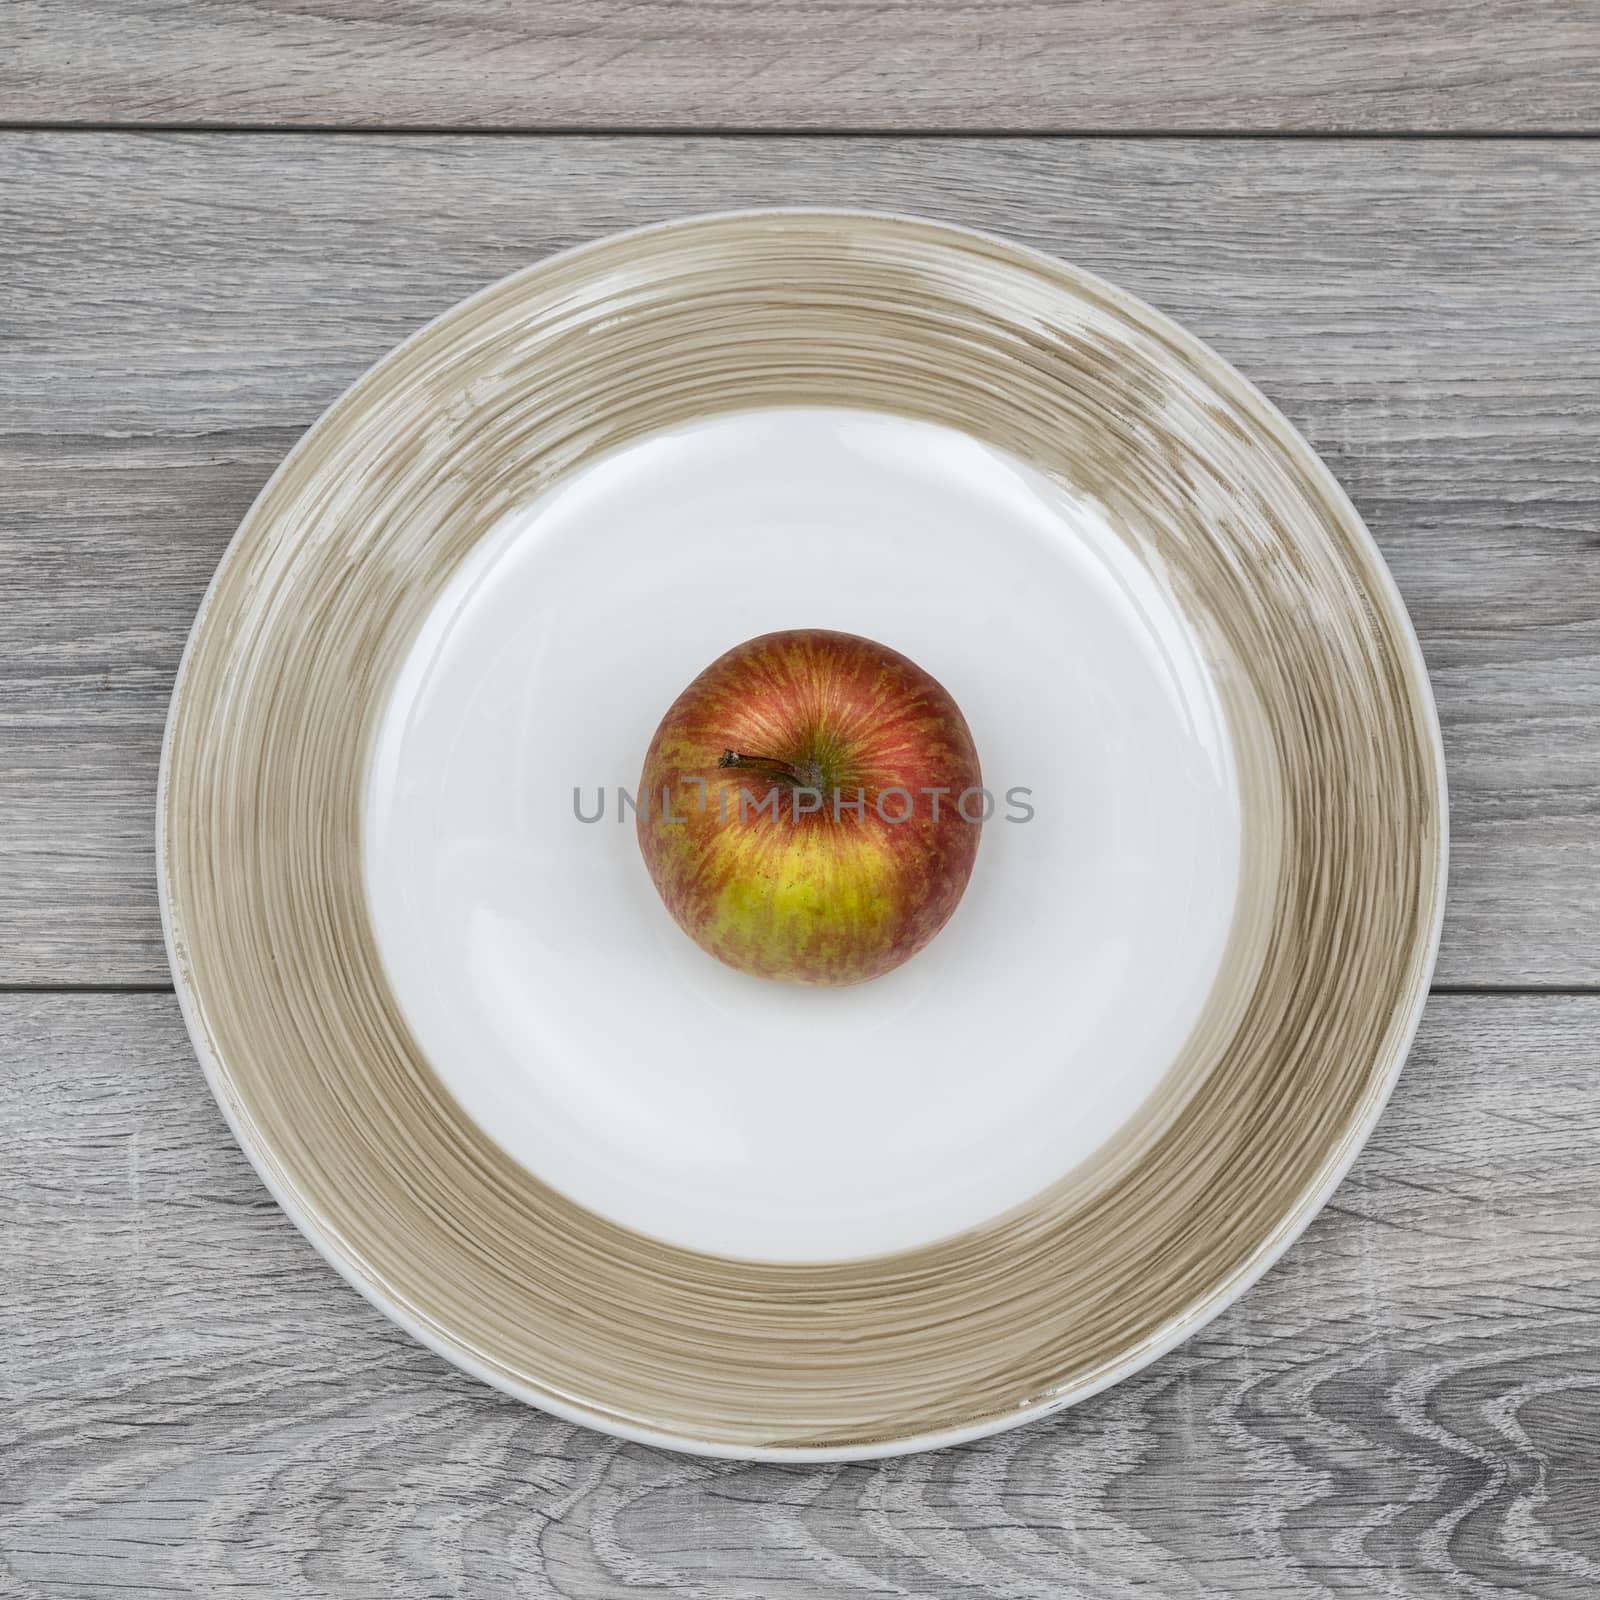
1407,1405
190,1403
684,64
181,307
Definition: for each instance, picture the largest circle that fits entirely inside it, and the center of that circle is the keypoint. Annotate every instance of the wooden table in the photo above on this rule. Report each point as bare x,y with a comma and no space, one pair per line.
213,217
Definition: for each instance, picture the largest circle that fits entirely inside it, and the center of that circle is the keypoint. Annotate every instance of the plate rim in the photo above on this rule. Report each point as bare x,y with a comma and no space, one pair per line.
1233,1287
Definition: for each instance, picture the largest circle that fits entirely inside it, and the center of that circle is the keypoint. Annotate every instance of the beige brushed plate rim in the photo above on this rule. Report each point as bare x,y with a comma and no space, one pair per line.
1338,1157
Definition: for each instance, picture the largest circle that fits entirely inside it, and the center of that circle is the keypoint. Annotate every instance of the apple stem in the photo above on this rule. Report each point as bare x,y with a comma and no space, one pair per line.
771,766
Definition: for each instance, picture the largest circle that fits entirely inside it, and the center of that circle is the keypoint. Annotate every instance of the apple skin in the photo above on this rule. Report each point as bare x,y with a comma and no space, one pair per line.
819,898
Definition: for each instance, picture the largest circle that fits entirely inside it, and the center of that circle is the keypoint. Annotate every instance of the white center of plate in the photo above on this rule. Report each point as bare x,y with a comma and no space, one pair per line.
572,1019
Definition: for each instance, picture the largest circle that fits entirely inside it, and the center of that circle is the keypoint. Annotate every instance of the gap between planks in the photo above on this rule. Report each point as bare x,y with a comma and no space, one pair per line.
535,130
1456,991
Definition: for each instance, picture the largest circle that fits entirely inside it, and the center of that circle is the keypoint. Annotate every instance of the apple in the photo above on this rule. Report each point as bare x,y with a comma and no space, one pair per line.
810,807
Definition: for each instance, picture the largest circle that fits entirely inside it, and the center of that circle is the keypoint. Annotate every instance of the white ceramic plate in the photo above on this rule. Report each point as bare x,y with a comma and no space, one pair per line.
479,1063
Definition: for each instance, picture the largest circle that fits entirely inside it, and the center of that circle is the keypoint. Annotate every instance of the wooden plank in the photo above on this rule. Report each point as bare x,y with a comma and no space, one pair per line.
179,308
772,64
192,1402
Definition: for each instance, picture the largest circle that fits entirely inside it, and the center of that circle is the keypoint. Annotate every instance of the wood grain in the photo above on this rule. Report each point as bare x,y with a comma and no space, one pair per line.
180,308
191,1402
768,64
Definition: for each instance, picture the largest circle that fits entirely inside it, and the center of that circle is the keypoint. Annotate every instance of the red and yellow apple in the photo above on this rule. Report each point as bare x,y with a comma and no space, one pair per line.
804,807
